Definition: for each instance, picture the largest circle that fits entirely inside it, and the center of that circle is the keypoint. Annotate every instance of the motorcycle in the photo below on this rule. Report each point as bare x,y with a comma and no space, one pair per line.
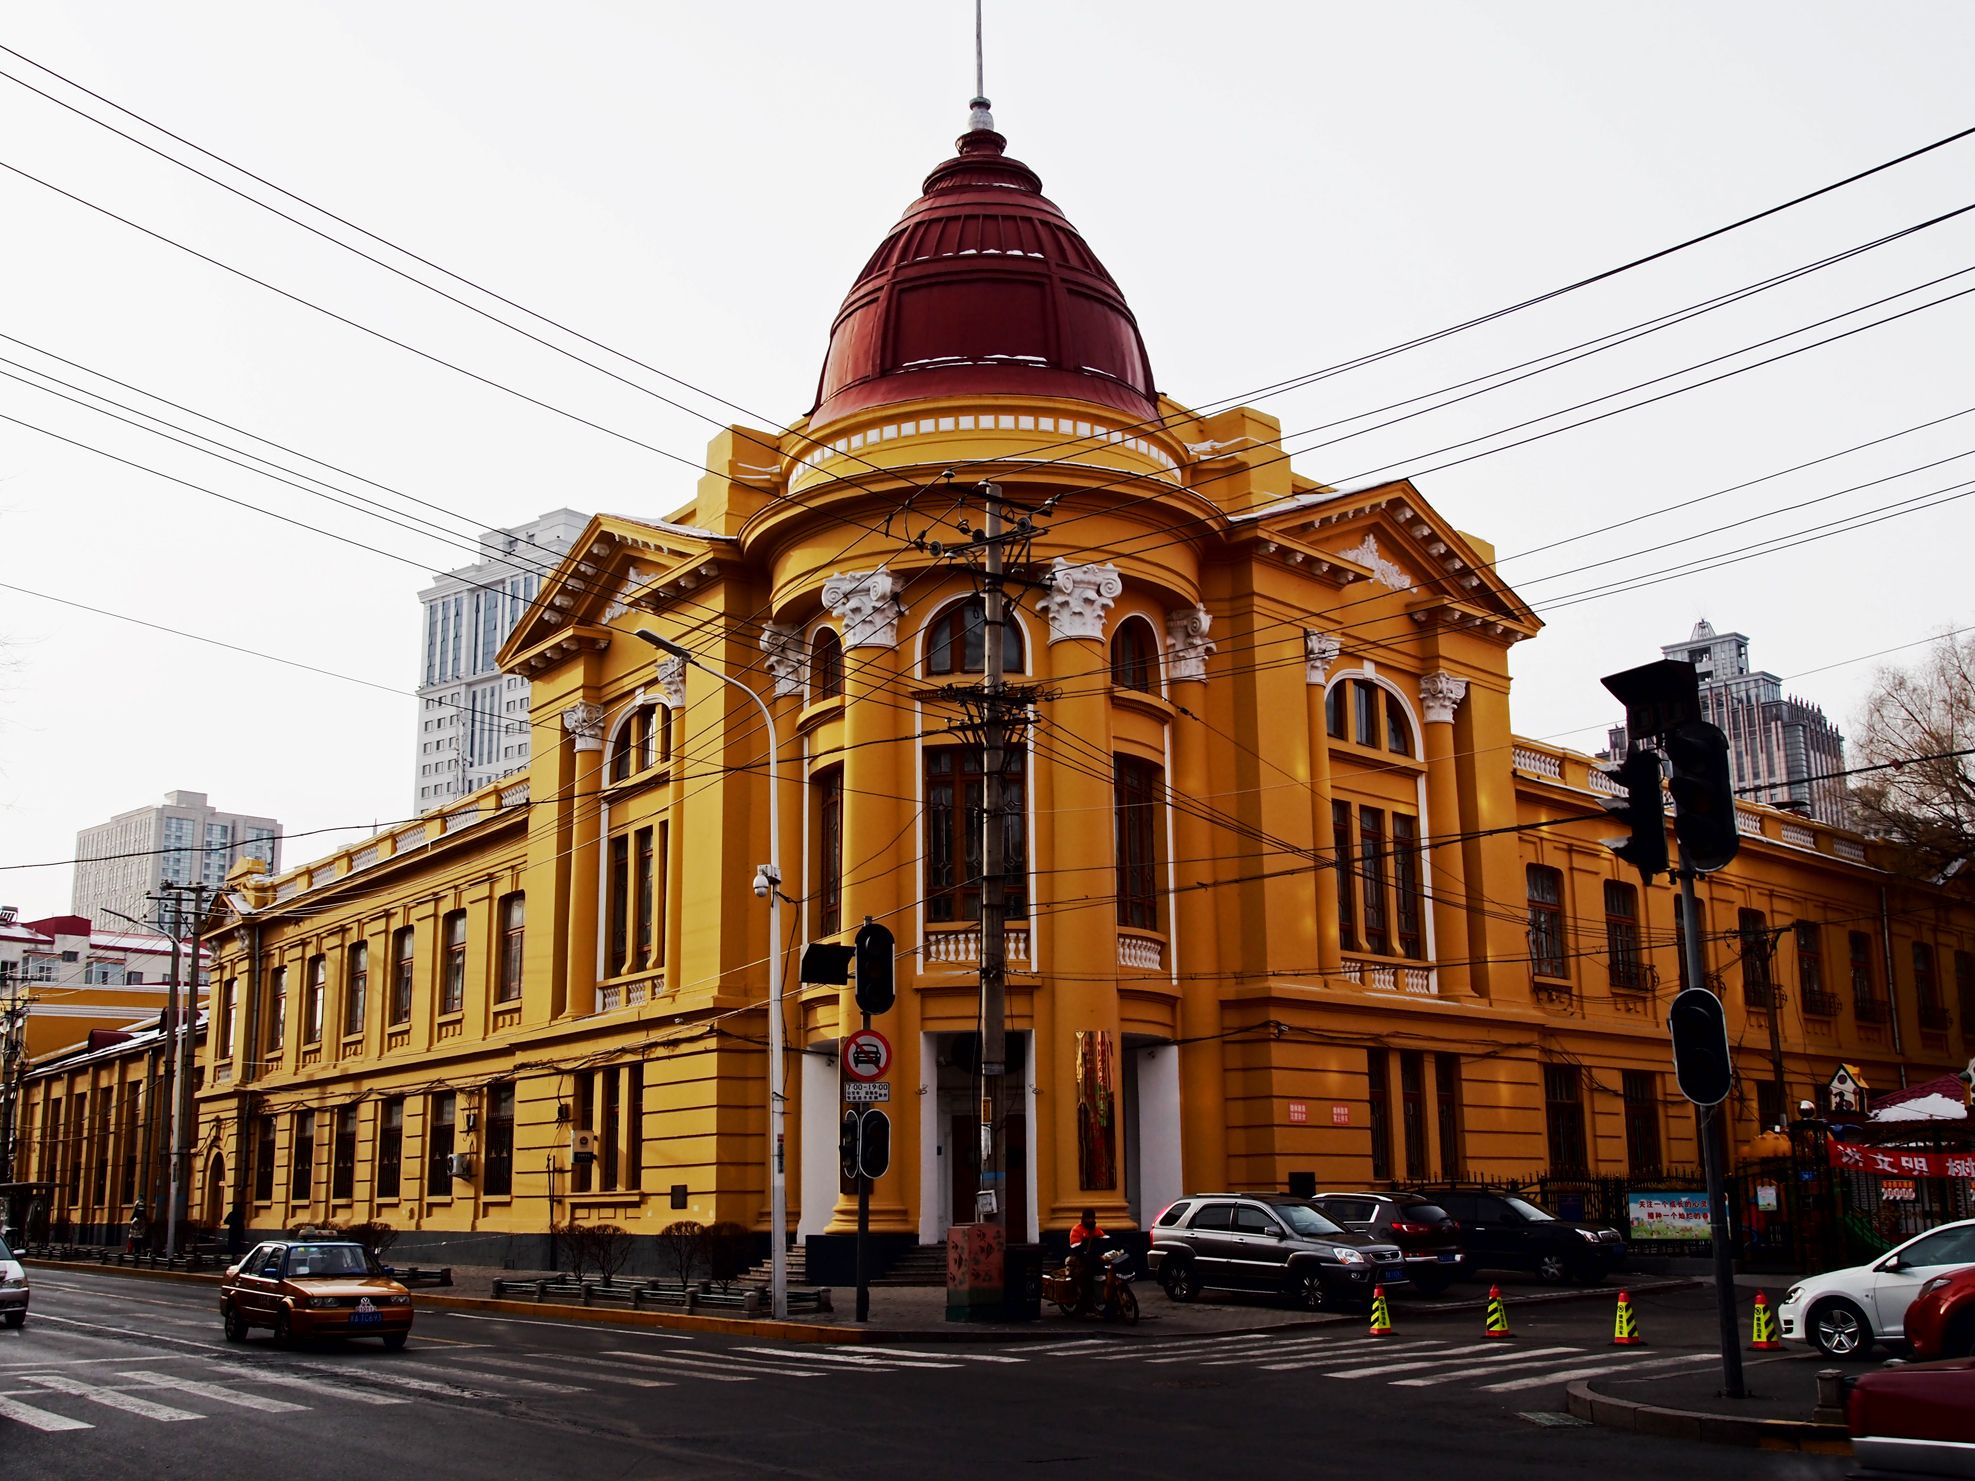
1074,1292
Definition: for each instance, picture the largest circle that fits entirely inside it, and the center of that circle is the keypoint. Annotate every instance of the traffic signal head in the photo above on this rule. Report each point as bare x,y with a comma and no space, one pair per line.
874,1144
1701,1063
875,948
1703,795
1643,811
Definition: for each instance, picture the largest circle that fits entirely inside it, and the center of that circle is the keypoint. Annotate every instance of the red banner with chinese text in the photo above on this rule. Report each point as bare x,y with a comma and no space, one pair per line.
1890,1162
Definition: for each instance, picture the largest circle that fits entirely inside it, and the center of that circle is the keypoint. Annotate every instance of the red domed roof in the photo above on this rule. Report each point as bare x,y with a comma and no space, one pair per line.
984,287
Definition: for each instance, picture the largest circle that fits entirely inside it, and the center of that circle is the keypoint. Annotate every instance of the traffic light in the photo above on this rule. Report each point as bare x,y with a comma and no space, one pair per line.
1700,1046
1703,795
847,1144
874,1144
875,948
1643,811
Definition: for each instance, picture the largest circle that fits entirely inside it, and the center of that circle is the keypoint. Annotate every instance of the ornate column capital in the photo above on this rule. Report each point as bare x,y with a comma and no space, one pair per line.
670,677
583,722
867,604
1441,694
1187,644
1320,651
782,648
1079,599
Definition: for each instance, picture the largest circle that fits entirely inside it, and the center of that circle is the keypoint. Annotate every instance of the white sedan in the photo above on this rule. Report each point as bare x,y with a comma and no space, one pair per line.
1843,1312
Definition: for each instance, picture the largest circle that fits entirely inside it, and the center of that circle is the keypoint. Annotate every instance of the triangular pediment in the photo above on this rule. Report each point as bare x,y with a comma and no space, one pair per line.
619,563
1388,536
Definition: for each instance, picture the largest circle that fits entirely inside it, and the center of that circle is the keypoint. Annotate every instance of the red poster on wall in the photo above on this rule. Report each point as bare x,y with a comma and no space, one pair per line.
1852,1157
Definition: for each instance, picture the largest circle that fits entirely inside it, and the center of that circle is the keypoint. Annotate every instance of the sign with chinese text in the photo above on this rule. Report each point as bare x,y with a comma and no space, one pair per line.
1891,1162
1668,1215
1299,1112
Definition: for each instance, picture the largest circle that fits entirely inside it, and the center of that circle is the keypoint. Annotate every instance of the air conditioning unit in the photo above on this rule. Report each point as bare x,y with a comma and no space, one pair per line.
583,1146
460,1164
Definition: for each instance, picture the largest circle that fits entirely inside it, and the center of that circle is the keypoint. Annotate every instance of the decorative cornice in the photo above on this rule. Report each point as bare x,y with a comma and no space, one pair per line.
1320,651
1187,644
865,602
1384,572
782,648
1441,694
1079,599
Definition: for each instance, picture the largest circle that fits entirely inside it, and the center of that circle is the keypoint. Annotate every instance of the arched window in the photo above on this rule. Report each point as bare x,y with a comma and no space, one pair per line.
825,664
1334,710
1135,656
642,741
1398,732
956,643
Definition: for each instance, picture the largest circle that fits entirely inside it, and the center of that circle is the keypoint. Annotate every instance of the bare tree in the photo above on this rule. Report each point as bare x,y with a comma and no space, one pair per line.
1919,723
683,1242
728,1246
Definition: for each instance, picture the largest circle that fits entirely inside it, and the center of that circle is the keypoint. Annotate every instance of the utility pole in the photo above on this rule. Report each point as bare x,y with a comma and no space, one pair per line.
13,1020
991,1200
180,1075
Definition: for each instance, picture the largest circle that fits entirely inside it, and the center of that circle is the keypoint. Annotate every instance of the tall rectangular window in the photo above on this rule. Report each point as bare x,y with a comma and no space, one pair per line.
1546,921
497,1179
301,1165
514,916
317,990
1622,960
634,1125
1642,1120
229,999
130,1144
1964,991
1752,934
343,1156
356,987
1409,912
1810,967
1412,1110
452,993
955,791
641,865
1927,988
1334,702
1137,790
1447,1105
1563,1105
826,791
277,1014
1343,868
390,1145
583,1176
404,943
1865,989
1364,713
439,1145
617,905
1379,1092
264,1158
609,1126
1371,863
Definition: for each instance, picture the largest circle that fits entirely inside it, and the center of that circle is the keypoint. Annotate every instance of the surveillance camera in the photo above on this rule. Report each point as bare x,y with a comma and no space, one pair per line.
766,877
761,886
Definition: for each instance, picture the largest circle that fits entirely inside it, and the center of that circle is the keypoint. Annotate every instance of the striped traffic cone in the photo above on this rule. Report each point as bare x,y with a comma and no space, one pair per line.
1498,1315
1625,1329
1381,1315
1762,1329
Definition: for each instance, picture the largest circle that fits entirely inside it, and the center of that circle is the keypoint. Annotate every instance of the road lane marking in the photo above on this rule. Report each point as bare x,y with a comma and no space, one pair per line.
697,1365
538,1385
1508,1357
40,1419
1332,1358
847,1359
1532,1359
526,1321
216,1393
391,1380
600,1371
309,1385
111,1398
7,1368
1078,1342
1568,1375
913,1352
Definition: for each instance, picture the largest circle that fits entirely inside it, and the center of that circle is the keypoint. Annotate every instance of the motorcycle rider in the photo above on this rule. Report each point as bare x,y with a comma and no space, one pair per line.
1086,1245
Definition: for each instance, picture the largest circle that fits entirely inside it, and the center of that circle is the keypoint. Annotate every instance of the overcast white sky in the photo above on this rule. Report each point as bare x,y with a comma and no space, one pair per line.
1276,187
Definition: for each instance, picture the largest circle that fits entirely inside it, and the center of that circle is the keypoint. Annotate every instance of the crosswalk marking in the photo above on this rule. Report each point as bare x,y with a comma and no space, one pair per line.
601,1372
111,1398
214,1392
697,1366
40,1419
1327,1356
535,1385
945,1353
1458,1355
391,1380
312,1385
1569,1375
850,1357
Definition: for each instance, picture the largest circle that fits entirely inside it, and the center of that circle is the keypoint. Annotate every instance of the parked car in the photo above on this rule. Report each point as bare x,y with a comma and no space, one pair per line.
1269,1242
1843,1312
1941,1321
1913,1420
1504,1232
314,1288
1428,1236
13,1288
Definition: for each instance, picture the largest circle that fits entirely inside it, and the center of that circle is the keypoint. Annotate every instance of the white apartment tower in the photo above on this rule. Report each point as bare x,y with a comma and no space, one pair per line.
1780,746
473,725
185,841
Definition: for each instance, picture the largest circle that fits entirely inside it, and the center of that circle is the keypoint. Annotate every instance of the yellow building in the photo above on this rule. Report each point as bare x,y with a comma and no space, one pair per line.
1289,895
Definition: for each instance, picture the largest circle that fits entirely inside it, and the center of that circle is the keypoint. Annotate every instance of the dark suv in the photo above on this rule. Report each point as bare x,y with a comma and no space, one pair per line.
1423,1230
1270,1242
1504,1232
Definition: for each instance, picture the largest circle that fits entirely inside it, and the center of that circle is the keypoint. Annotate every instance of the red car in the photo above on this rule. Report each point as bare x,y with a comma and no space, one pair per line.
1916,1420
1941,1321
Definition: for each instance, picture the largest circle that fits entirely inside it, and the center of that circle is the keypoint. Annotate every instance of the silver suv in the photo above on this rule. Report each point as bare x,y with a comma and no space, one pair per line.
1269,1242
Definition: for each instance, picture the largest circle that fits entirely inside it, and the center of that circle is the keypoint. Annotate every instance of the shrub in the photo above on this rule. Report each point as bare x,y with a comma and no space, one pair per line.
683,1243
727,1246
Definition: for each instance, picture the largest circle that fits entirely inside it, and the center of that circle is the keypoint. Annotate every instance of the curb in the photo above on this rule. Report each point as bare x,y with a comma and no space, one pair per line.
1716,1429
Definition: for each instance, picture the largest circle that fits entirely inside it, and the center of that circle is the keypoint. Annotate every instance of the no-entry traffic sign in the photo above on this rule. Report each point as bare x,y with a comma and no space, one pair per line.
866,1055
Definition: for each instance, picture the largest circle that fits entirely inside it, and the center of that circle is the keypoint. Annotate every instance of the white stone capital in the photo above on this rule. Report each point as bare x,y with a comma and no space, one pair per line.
782,649
583,722
867,605
1441,694
1187,644
1320,651
670,677
1079,599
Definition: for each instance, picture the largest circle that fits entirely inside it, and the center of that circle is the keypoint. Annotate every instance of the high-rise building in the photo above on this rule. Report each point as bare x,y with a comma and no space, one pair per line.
472,720
185,841
1781,749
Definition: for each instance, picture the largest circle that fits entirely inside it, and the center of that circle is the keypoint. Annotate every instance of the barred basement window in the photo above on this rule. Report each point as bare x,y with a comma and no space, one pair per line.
1563,1106
1642,1120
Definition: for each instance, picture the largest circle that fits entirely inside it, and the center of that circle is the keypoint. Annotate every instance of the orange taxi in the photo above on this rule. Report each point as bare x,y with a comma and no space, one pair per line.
302,1288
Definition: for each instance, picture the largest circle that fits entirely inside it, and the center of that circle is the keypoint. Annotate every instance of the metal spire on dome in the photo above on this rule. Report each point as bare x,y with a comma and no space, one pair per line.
978,116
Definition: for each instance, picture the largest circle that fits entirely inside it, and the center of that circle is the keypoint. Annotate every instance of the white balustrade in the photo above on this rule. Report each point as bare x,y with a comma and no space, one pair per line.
1142,953
1542,763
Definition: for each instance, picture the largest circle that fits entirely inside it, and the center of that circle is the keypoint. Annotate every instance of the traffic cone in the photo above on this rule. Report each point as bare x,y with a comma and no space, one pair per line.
1498,1315
1762,1329
1381,1316
1625,1328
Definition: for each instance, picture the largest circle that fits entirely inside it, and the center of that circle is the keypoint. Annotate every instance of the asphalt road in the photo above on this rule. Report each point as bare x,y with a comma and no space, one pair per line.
115,1376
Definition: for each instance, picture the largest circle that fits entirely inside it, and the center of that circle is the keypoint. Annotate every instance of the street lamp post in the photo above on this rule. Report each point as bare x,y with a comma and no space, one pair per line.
768,882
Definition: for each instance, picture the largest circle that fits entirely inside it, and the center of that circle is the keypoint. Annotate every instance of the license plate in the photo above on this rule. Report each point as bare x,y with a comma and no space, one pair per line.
1448,1257
366,1315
